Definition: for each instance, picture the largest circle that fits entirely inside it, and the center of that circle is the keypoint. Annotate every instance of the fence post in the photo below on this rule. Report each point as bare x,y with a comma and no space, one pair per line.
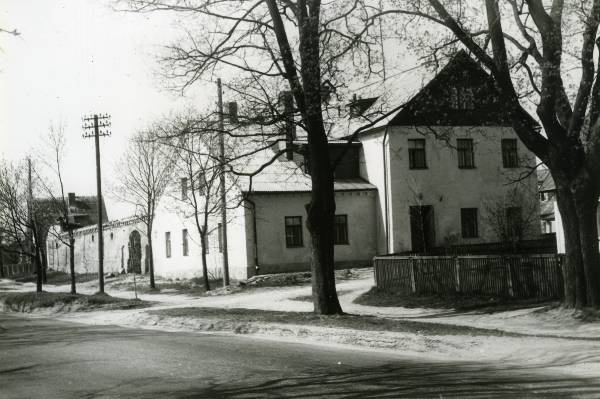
411,268
375,273
511,290
457,273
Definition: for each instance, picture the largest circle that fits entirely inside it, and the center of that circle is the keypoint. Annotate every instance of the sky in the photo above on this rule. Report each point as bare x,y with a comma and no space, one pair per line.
76,58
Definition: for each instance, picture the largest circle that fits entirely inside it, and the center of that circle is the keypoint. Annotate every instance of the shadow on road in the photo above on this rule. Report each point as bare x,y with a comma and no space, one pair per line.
410,380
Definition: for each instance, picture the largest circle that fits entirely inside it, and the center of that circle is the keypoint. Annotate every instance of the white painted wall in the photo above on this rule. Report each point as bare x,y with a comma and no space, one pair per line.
271,210
373,170
180,266
448,188
116,239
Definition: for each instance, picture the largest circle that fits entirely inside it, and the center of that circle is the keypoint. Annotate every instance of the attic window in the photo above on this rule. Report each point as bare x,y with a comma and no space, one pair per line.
462,98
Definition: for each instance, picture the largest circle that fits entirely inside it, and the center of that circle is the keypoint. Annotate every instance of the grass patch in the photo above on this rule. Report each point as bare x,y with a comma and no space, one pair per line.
485,303
193,286
239,316
300,278
57,277
30,301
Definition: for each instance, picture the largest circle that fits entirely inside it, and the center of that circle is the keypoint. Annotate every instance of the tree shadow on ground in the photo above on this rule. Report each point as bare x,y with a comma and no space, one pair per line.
409,380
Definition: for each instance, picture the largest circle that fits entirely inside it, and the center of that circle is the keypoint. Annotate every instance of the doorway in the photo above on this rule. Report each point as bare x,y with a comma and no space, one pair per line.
422,228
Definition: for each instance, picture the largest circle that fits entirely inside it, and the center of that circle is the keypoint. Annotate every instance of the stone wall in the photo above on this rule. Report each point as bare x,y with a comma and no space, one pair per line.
116,247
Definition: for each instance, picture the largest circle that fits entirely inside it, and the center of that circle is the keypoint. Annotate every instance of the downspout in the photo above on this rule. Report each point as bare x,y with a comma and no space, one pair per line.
257,268
385,190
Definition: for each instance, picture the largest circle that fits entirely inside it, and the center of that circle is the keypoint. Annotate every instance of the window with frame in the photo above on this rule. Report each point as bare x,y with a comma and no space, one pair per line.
466,156
416,154
341,230
184,242
462,98
184,188
510,156
220,232
468,222
168,244
293,231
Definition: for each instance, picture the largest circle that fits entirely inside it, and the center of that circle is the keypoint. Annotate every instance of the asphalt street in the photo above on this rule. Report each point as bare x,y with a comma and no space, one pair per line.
45,358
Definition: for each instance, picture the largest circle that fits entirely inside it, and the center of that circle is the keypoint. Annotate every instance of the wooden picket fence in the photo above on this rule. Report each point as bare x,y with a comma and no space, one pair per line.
18,270
522,276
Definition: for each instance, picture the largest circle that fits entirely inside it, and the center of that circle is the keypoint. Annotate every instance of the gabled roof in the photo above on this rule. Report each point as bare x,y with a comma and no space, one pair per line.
461,81
284,175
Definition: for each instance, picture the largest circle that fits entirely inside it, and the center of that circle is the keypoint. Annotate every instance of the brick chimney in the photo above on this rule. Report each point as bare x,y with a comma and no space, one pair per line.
232,111
71,199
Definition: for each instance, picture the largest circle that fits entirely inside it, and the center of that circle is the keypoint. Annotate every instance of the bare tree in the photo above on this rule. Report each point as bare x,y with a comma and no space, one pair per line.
512,217
535,51
59,223
272,44
144,173
18,215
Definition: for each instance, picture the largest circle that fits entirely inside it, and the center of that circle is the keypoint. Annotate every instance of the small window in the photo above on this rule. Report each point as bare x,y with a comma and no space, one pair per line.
184,241
510,158
466,157
92,238
220,232
341,230
462,98
111,235
468,221
184,187
168,244
416,154
293,231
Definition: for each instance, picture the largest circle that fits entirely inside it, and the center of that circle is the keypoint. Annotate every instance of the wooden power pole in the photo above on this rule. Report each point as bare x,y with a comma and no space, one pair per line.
222,183
95,123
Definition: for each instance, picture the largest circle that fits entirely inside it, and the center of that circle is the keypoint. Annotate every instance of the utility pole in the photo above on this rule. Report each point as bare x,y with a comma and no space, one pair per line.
222,182
33,246
96,122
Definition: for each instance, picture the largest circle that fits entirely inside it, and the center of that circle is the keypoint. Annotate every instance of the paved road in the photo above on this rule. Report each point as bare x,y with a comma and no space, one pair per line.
44,358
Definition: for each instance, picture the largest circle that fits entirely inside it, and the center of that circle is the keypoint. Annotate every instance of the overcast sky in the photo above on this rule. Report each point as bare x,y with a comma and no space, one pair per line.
74,58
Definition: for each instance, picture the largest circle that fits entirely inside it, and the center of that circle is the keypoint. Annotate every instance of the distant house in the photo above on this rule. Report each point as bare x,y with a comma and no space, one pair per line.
546,190
424,177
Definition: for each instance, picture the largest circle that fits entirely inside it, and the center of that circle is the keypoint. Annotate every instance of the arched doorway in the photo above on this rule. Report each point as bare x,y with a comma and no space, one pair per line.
134,263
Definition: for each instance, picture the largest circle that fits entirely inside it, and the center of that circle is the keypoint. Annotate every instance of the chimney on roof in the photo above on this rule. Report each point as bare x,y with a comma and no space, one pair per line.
71,199
232,110
290,127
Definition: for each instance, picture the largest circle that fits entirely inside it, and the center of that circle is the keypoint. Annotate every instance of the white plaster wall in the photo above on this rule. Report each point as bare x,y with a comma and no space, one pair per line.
448,188
271,210
179,266
86,248
372,169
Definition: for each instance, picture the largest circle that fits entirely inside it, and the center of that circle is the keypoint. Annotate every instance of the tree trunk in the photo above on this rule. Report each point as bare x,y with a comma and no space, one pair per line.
204,265
38,268
72,264
149,255
320,222
578,207
587,205
44,262
321,210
